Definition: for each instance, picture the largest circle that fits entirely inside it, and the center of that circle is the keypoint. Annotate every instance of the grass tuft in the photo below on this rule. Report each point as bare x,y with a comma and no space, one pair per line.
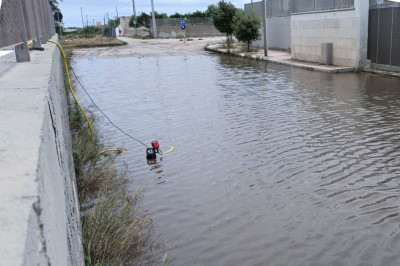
81,41
114,232
115,229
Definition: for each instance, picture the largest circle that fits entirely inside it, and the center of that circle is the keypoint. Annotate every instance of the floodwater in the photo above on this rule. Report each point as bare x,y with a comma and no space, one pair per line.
272,165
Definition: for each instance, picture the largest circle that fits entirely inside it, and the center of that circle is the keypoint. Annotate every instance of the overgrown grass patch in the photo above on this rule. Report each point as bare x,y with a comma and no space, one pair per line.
115,229
91,40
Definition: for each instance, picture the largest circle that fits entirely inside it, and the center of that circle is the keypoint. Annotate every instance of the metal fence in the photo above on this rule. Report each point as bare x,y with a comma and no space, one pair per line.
275,8
283,8
319,5
384,36
23,20
189,21
382,4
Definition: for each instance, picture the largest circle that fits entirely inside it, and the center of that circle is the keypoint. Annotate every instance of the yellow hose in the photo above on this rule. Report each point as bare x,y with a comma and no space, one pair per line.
170,149
71,90
108,150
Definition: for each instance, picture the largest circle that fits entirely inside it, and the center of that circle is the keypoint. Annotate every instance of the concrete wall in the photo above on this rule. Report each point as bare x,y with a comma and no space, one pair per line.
191,31
347,29
127,31
167,31
39,212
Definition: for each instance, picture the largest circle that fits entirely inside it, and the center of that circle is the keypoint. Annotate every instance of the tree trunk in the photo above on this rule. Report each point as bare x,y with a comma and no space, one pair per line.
227,41
248,46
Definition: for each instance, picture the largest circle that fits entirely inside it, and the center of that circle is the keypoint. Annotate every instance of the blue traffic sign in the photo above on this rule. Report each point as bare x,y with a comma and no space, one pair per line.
183,24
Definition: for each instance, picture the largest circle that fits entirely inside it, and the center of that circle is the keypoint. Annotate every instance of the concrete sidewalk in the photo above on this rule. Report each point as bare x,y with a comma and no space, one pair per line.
282,58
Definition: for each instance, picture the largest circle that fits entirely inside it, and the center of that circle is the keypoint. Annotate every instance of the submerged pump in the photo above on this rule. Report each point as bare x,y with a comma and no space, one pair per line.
151,153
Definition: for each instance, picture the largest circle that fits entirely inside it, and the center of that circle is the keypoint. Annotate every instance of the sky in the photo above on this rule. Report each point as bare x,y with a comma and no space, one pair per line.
96,9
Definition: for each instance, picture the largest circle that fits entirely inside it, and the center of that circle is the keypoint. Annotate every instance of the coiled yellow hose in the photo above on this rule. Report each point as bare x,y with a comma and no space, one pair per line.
70,87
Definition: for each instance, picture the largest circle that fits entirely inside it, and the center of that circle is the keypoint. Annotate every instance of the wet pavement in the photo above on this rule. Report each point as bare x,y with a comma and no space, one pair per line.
272,165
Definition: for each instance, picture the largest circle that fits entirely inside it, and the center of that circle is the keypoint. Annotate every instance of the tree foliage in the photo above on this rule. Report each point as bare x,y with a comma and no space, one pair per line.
223,19
211,10
142,20
54,5
246,27
159,15
177,15
114,23
197,14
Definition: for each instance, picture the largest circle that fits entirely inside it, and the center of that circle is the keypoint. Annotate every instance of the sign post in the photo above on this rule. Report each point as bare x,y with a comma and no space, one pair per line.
183,27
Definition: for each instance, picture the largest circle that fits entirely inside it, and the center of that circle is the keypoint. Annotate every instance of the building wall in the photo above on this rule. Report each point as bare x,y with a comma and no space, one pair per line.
39,211
278,30
346,29
278,25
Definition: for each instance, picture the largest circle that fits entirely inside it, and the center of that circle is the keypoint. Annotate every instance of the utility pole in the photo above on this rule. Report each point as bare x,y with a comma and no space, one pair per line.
265,28
154,20
83,24
134,14
108,24
116,8
87,21
104,26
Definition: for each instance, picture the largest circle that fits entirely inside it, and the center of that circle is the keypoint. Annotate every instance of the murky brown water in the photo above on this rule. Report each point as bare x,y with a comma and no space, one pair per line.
272,165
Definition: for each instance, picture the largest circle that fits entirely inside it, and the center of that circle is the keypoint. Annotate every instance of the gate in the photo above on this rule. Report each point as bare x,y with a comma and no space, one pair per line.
384,38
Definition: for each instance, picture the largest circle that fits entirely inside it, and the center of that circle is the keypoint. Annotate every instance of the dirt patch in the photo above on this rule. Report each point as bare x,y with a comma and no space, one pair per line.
150,47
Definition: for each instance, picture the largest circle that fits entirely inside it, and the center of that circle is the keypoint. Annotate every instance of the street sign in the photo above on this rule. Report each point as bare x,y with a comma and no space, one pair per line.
58,16
183,24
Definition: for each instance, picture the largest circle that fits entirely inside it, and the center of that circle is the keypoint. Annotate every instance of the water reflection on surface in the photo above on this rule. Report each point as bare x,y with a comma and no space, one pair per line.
272,165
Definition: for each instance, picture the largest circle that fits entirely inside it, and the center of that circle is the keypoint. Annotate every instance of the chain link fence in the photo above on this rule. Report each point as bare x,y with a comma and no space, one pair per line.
189,21
23,20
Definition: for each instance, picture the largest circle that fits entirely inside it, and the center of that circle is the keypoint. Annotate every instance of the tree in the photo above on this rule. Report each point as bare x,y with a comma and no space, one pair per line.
246,27
223,19
177,15
197,14
211,10
54,5
114,23
159,15
142,20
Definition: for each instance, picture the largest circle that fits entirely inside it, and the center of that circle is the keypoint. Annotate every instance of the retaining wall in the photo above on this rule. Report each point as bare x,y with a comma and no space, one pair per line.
191,31
39,211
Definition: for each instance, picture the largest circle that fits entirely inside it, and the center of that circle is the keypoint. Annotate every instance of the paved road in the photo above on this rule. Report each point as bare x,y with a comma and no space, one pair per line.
150,47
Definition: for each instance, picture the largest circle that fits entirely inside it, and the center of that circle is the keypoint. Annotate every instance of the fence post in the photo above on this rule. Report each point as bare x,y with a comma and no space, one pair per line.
21,50
41,19
36,42
52,26
391,37
47,19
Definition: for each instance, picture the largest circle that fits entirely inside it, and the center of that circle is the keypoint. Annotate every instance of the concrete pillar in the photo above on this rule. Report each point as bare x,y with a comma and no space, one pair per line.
362,11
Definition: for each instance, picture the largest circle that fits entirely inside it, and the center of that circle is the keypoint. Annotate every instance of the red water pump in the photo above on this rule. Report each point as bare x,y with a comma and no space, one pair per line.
151,153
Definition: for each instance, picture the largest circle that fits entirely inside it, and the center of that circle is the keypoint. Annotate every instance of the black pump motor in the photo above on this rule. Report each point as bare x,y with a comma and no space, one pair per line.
151,153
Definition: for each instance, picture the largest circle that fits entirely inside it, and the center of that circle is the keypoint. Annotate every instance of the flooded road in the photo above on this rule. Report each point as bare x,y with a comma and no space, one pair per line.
272,165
